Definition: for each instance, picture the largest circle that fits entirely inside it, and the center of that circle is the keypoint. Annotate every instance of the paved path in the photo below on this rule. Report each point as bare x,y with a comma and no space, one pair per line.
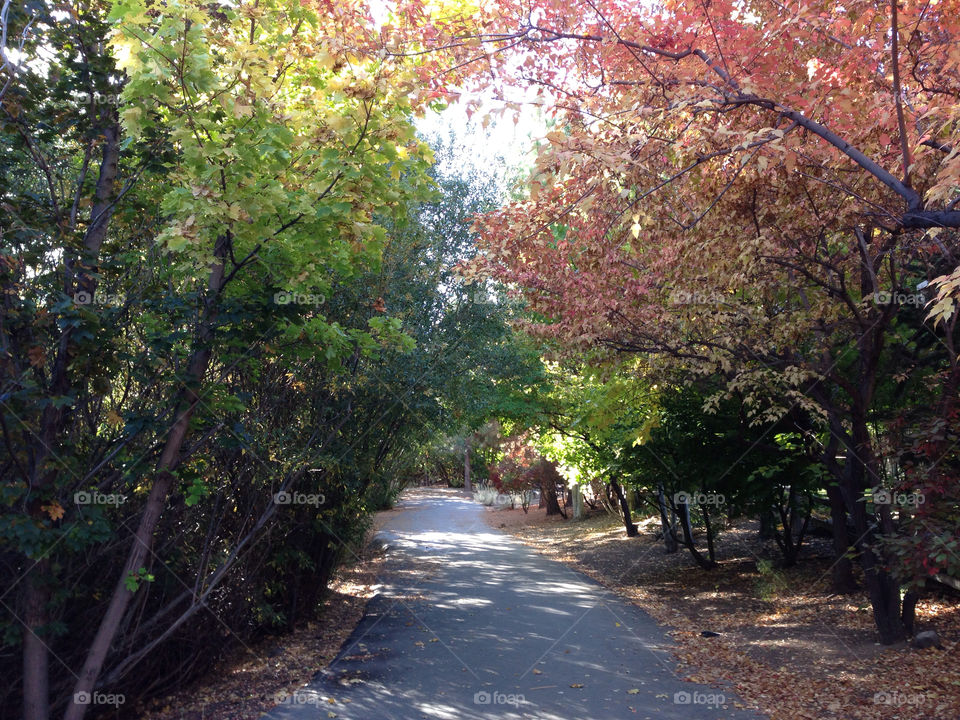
473,625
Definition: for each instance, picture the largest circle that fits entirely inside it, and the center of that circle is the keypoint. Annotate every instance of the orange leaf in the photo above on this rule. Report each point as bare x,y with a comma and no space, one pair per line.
53,510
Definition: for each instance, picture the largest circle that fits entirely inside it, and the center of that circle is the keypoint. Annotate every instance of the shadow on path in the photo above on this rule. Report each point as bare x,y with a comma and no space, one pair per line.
473,625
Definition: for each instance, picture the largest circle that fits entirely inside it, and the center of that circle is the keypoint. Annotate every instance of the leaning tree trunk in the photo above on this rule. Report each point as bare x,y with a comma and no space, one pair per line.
79,274
628,523
683,511
184,407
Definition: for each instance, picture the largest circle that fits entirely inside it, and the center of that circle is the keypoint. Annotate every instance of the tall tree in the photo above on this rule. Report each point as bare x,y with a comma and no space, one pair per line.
751,190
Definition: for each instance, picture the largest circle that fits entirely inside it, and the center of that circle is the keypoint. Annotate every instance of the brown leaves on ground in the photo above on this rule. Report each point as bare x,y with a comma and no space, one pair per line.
789,647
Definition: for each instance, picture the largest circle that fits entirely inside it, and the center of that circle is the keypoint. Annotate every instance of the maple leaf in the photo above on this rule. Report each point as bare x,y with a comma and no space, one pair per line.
53,510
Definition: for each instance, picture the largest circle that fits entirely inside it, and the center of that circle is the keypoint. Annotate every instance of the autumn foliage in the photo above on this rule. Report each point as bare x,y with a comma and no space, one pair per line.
760,192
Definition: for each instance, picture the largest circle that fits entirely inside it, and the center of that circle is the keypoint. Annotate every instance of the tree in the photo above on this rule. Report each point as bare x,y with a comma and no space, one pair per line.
741,190
171,218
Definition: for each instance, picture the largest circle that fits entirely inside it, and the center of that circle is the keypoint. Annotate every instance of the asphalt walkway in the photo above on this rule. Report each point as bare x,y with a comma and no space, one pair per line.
474,625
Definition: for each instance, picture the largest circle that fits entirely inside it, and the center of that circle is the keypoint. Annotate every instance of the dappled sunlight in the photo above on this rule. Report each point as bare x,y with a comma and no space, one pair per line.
478,602
435,710
471,625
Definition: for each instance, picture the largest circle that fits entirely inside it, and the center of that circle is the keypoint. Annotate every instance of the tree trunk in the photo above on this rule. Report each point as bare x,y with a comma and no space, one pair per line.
842,578
632,530
36,686
184,407
908,615
684,513
711,553
548,489
80,274
577,502
466,465
883,589
768,525
668,528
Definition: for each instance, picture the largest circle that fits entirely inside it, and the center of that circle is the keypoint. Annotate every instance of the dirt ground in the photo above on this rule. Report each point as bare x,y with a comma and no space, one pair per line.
789,646
262,675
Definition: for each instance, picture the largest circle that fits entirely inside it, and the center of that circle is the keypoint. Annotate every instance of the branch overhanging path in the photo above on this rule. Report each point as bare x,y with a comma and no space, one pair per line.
915,215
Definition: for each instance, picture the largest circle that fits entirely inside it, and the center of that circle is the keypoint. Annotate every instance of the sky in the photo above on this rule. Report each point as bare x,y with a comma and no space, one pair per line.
500,149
